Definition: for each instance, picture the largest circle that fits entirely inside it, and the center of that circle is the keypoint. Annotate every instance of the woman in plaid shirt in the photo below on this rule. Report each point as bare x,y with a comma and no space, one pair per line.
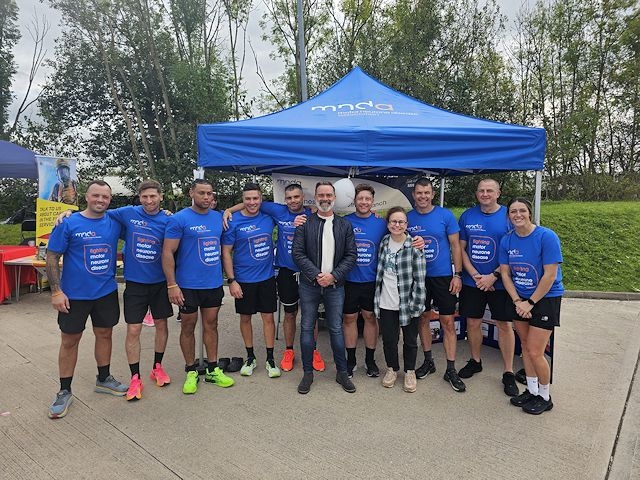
400,297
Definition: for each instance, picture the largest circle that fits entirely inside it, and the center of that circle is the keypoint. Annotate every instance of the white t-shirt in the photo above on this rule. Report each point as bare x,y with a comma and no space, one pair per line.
328,245
389,297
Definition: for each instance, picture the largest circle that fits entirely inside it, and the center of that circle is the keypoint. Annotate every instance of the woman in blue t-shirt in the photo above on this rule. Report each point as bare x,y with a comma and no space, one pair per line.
530,259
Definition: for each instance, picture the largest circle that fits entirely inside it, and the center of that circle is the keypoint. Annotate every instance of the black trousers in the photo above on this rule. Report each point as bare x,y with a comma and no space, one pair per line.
390,328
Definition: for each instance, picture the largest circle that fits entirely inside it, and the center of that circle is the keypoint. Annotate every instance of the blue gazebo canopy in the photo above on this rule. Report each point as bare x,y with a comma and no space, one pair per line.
362,127
17,162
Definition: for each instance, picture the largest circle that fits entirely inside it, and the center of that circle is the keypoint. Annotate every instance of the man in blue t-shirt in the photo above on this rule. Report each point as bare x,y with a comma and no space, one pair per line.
481,229
288,272
359,288
89,244
251,275
439,229
146,286
192,267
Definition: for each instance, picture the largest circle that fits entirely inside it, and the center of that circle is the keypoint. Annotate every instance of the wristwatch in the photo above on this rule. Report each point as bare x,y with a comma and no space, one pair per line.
497,274
458,274
230,280
531,302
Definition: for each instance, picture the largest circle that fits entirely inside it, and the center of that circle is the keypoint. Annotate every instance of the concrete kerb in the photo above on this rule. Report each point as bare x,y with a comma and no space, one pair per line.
593,295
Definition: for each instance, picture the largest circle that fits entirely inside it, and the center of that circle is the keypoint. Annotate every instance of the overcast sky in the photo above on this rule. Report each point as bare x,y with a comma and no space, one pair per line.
24,50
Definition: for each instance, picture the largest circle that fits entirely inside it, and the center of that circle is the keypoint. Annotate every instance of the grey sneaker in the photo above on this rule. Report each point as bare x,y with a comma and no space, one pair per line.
60,405
111,386
347,385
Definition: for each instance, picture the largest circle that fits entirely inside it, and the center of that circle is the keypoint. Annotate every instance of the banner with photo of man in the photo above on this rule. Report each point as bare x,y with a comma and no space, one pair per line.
57,191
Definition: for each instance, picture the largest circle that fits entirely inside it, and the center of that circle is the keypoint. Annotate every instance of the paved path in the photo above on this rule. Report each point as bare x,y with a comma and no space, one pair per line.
261,428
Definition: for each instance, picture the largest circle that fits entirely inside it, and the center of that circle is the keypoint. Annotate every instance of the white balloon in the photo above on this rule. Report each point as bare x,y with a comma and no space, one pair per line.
345,193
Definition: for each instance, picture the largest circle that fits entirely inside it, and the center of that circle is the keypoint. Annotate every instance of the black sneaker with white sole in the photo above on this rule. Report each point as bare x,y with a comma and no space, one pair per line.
452,377
427,368
373,370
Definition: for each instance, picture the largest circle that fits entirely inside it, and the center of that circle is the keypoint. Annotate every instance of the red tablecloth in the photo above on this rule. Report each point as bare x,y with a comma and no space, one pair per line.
7,273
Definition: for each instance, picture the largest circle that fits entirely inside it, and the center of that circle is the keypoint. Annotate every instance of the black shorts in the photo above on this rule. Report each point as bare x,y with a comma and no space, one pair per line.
203,298
473,302
104,311
545,314
358,296
139,297
287,282
257,297
438,291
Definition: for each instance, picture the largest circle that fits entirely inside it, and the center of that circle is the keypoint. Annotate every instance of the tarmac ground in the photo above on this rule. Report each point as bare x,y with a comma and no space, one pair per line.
261,428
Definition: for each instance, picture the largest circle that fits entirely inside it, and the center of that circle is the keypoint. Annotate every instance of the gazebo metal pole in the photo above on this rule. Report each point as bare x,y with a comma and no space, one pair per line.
302,63
537,198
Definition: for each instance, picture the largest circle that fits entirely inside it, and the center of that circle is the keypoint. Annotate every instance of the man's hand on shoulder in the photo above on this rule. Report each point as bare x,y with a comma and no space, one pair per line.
300,220
227,217
60,218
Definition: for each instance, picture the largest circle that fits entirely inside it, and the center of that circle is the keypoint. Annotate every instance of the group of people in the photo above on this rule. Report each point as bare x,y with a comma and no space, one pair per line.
391,271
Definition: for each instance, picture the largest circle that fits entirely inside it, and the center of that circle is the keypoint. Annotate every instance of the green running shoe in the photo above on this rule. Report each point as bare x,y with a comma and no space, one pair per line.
248,367
191,383
217,377
272,370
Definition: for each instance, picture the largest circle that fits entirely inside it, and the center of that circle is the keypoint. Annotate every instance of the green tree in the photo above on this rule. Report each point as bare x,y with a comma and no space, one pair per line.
132,79
9,36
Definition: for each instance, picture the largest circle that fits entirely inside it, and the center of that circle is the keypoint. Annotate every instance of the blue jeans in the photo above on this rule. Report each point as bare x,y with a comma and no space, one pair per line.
333,299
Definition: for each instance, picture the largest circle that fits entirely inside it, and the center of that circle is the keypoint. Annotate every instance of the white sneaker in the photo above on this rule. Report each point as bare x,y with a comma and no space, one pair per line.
389,379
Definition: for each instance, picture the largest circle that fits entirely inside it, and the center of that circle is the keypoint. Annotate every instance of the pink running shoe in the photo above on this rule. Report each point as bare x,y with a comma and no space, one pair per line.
147,321
160,376
318,362
135,388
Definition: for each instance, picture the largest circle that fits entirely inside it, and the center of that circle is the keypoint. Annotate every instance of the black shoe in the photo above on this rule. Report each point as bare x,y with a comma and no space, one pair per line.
235,364
522,399
470,368
373,370
425,369
538,405
305,384
351,369
223,363
509,382
521,376
343,379
452,377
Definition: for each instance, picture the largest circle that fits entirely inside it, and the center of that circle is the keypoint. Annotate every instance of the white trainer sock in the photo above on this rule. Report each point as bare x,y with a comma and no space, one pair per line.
543,391
532,385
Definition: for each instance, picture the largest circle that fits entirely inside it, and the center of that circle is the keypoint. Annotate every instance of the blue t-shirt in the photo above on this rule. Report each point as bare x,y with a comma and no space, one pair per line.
483,232
284,241
198,263
368,233
252,242
89,246
435,227
144,235
526,257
